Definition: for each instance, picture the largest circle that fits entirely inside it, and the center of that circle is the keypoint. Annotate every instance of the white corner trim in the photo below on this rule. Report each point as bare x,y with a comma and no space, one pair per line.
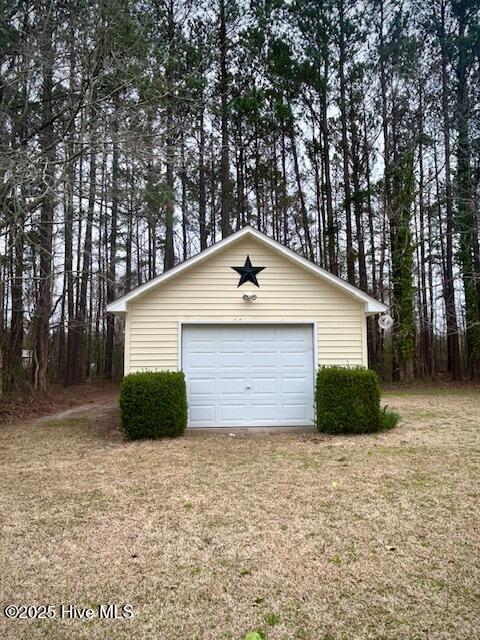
315,351
180,324
372,306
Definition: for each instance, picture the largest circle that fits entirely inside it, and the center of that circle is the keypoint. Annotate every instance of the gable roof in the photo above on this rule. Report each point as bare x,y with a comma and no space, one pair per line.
372,306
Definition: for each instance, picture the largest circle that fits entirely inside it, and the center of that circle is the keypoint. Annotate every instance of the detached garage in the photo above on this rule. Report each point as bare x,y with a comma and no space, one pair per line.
249,322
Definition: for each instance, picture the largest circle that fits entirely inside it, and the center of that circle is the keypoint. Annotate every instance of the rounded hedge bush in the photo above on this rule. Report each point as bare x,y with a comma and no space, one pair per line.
348,400
154,405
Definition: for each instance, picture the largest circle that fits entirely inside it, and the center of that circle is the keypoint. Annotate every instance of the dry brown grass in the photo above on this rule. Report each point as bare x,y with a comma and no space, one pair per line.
209,536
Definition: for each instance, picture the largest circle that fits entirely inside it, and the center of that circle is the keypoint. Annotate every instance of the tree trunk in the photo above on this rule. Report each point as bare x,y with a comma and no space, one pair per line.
402,266
465,219
240,177
80,357
71,366
202,191
331,226
169,257
14,351
453,348
45,228
225,186
357,198
345,147
183,182
112,258
303,208
425,328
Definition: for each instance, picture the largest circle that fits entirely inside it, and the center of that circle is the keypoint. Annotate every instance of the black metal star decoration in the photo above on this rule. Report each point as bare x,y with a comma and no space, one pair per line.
248,273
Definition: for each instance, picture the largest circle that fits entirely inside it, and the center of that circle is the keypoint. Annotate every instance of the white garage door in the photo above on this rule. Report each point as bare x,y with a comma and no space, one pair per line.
249,375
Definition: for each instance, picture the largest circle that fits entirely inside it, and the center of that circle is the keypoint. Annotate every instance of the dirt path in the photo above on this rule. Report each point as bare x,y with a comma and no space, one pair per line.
56,400
107,403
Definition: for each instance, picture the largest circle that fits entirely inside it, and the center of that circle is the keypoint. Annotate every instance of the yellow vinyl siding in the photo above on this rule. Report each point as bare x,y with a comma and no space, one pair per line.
208,292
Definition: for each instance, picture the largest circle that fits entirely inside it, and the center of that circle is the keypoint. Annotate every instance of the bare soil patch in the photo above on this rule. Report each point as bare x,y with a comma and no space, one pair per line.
301,536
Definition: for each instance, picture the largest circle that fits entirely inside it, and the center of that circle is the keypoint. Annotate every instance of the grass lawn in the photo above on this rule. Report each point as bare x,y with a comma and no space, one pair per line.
299,536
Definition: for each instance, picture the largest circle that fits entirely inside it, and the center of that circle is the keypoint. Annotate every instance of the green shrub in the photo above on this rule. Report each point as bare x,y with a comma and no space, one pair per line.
153,405
388,419
348,400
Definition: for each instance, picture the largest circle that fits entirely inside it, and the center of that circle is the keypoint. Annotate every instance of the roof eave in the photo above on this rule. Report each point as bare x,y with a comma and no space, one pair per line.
373,308
117,309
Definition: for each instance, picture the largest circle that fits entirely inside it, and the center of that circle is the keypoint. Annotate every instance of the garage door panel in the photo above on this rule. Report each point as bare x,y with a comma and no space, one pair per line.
201,360
263,412
232,386
235,343
293,413
232,360
263,342
202,415
202,387
233,414
260,385
231,334
250,375
294,335
263,359
204,343
294,359
294,386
